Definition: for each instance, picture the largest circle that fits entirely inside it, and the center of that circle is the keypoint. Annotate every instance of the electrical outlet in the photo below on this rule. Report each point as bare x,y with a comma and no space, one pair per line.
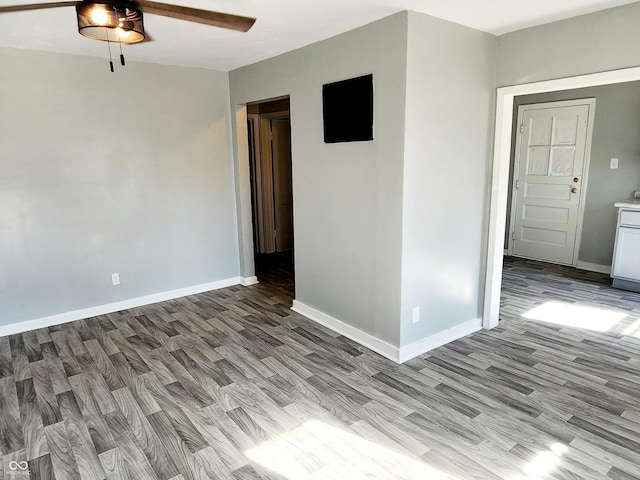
416,314
115,278
613,164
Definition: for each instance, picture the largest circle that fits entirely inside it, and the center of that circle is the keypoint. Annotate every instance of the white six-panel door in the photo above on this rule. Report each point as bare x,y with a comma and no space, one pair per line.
551,154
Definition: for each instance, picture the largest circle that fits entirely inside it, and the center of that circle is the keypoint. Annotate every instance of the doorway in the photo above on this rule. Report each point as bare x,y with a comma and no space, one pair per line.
552,151
500,174
269,137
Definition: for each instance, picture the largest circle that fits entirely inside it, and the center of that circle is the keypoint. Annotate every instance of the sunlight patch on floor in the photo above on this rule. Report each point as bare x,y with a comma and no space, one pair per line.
633,330
576,316
545,462
321,451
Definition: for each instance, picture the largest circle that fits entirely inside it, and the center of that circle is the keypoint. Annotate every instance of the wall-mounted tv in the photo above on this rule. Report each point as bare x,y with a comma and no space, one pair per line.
347,107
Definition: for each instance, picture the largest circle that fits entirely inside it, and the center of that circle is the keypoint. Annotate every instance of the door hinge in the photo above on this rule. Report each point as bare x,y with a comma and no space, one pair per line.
521,127
517,184
513,235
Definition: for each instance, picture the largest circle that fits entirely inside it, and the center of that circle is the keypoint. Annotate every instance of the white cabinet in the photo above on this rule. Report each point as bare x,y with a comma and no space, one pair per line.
626,256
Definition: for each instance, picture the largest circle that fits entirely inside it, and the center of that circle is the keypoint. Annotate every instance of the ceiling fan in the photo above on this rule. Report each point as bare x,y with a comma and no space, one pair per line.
121,21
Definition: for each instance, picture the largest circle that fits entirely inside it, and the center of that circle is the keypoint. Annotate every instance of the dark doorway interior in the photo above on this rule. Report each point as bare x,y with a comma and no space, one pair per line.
276,270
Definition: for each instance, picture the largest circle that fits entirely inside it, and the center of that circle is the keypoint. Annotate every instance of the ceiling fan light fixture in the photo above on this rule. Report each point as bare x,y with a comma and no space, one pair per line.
112,22
123,34
99,16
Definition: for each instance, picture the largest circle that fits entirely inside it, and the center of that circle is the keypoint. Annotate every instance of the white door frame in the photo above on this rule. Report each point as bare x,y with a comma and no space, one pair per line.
584,178
500,176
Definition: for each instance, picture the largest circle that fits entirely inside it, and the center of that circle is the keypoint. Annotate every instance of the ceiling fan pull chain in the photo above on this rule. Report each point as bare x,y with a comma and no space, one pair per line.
110,59
121,54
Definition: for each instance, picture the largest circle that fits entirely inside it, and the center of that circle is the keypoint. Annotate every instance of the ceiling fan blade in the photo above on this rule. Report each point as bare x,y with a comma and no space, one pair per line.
206,17
36,6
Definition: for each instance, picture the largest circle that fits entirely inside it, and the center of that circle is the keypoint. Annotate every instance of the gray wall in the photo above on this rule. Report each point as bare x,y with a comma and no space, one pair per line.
601,41
382,226
101,173
450,97
616,133
347,196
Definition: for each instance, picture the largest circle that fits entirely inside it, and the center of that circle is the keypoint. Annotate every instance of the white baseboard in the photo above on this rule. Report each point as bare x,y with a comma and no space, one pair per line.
398,355
438,339
363,338
114,307
593,267
246,281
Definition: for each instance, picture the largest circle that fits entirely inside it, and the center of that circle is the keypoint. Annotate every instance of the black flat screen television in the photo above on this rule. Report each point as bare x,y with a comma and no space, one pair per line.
347,108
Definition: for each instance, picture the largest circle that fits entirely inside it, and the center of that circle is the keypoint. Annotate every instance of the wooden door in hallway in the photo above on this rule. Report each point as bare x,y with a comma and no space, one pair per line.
282,185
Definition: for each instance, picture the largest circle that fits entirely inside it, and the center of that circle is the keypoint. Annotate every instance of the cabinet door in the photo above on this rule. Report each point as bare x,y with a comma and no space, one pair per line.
626,259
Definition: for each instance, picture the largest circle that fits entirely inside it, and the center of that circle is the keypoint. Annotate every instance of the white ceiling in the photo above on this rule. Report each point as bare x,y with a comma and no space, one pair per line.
282,25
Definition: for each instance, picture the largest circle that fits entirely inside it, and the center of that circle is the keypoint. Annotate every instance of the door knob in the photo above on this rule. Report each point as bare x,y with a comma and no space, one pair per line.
574,190
576,179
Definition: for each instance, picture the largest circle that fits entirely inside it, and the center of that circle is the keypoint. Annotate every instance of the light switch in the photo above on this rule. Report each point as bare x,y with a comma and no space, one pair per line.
613,164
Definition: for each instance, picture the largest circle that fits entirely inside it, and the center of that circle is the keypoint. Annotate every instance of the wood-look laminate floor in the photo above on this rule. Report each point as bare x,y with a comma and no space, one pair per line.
232,385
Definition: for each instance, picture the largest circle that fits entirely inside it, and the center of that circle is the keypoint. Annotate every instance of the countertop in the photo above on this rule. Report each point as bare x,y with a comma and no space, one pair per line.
631,203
